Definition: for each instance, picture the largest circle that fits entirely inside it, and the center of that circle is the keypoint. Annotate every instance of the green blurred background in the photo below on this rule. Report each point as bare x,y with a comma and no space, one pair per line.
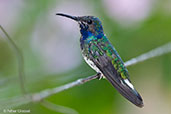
50,46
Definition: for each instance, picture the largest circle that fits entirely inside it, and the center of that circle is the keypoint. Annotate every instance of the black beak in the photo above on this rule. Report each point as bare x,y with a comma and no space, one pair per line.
68,16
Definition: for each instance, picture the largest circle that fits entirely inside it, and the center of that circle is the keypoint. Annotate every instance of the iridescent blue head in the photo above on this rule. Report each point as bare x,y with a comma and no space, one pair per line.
89,25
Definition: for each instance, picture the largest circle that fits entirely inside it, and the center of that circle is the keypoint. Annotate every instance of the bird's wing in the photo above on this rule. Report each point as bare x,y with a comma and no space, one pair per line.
104,63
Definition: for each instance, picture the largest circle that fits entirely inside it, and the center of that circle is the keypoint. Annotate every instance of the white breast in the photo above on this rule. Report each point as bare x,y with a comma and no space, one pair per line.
91,64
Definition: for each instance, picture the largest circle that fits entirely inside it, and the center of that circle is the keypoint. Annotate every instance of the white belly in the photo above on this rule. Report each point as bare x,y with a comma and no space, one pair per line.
91,64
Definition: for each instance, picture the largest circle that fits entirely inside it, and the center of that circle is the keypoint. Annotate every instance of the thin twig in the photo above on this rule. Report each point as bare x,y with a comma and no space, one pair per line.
58,108
19,59
48,92
153,53
37,97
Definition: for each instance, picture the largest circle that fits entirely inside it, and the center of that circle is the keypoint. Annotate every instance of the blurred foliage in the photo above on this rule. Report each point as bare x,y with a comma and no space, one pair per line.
95,97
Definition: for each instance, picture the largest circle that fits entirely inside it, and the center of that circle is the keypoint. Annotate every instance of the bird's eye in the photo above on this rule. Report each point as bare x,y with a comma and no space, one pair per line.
89,21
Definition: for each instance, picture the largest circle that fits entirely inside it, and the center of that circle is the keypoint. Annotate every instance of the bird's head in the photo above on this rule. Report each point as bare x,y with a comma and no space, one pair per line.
89,25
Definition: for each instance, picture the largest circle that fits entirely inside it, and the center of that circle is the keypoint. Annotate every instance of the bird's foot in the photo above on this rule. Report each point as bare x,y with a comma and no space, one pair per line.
100,76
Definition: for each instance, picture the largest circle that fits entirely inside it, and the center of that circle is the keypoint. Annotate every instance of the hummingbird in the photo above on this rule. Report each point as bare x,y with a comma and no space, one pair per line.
101,56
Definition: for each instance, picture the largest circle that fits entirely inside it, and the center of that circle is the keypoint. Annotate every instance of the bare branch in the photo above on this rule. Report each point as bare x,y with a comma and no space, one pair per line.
15,101
38,97
46,93
153,53
58,108
19,58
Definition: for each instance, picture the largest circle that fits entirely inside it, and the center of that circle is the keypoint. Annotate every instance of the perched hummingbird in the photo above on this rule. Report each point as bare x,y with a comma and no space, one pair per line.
99,53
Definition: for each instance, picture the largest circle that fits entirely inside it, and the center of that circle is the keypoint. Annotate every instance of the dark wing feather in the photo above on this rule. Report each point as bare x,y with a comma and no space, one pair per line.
105,65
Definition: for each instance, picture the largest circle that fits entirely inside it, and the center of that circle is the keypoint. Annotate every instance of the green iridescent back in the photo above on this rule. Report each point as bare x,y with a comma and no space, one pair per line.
103,46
